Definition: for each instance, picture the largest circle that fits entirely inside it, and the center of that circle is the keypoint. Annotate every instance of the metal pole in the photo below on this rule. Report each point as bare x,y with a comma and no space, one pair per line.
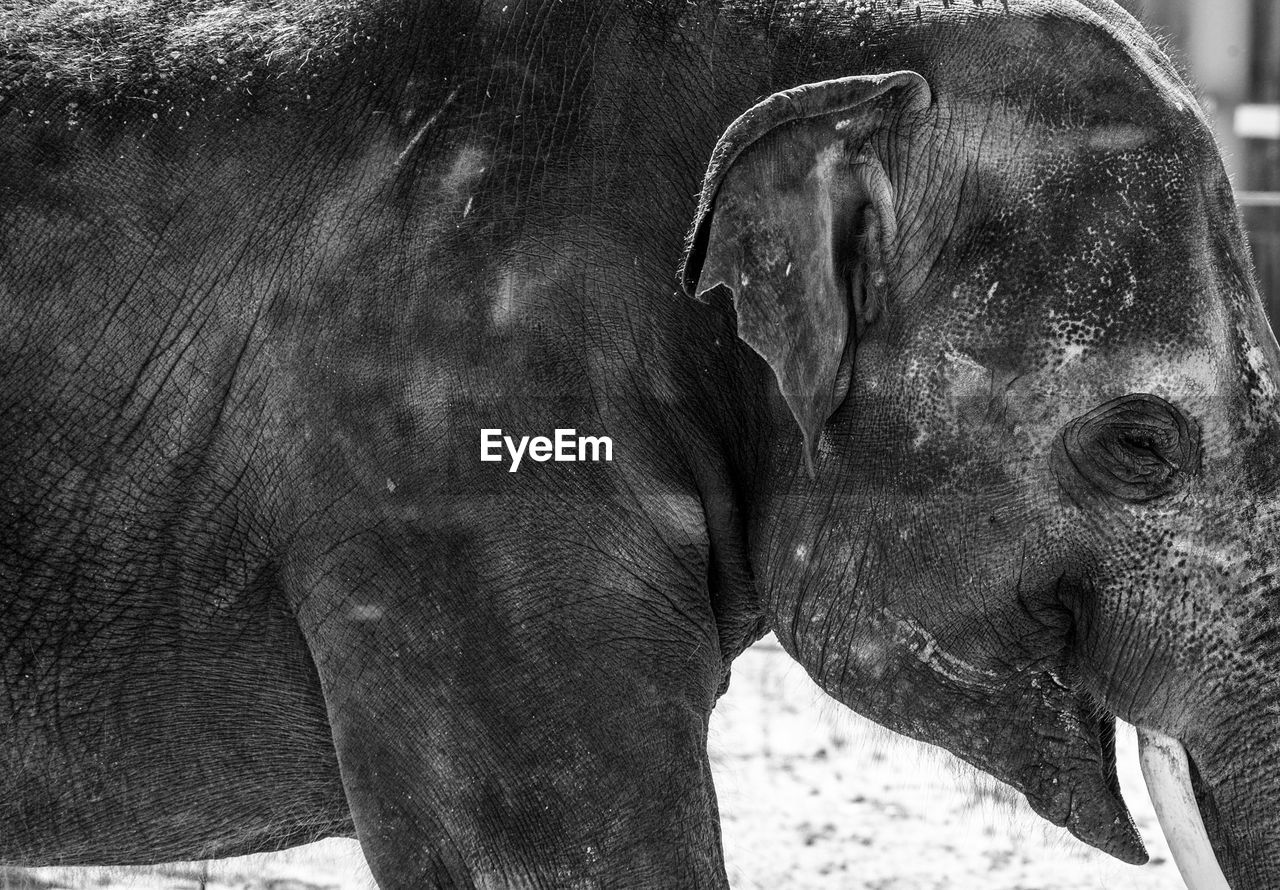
1260,200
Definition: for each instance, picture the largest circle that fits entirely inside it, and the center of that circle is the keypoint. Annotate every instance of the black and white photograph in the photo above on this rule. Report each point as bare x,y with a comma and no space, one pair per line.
639,445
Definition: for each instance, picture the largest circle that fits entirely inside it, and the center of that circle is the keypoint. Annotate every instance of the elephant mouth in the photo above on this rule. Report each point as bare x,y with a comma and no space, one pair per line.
1182,799
1075,784
1055,744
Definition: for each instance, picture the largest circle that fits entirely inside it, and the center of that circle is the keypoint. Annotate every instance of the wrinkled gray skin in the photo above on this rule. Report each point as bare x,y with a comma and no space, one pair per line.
258,589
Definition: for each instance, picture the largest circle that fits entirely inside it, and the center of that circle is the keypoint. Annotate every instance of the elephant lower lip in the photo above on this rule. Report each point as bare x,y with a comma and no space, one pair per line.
1087,800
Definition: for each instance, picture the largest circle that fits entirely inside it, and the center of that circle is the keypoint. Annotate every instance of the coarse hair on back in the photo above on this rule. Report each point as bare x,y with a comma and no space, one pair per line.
105,49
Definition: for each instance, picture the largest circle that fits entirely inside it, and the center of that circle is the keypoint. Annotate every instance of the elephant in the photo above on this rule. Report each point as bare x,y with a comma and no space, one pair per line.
411,409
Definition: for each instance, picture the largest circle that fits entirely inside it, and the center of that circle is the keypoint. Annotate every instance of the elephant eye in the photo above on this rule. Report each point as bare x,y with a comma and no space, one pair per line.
1137,438
1137,455
1135,448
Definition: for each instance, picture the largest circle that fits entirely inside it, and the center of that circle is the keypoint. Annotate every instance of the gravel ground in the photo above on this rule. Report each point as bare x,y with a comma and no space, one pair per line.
811,798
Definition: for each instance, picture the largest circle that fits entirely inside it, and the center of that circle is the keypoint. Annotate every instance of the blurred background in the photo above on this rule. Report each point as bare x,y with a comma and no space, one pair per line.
1230,49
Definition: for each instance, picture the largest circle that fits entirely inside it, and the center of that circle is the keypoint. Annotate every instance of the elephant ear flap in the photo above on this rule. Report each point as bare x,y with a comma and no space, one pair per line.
775,225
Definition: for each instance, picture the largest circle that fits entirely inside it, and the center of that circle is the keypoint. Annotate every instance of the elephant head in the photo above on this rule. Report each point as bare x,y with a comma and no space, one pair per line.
1034,481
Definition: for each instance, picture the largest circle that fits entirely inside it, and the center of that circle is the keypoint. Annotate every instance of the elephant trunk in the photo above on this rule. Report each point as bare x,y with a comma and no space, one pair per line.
1234,784
1214,783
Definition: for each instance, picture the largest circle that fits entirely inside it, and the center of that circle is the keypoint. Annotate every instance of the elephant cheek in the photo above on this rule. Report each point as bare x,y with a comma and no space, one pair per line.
1050,743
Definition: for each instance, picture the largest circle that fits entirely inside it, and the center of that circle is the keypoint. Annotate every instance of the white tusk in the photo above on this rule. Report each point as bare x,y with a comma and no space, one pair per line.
1168,777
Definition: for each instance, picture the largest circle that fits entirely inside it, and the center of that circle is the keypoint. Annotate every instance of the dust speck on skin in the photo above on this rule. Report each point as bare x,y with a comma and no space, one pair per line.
826,446
503,309
367,612
224,599
468,166
663,386
426,395
678,511
873,657
1197,551
1119,137
966,378
1265,389
528,278
1070,339
956,385
1072,352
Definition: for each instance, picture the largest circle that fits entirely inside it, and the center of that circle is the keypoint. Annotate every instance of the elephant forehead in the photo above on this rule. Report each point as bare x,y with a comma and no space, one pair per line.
1068,62
1052,85
1076,230
1069,254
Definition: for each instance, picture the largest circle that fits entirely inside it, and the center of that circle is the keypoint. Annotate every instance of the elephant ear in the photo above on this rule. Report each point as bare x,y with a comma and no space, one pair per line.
784,220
